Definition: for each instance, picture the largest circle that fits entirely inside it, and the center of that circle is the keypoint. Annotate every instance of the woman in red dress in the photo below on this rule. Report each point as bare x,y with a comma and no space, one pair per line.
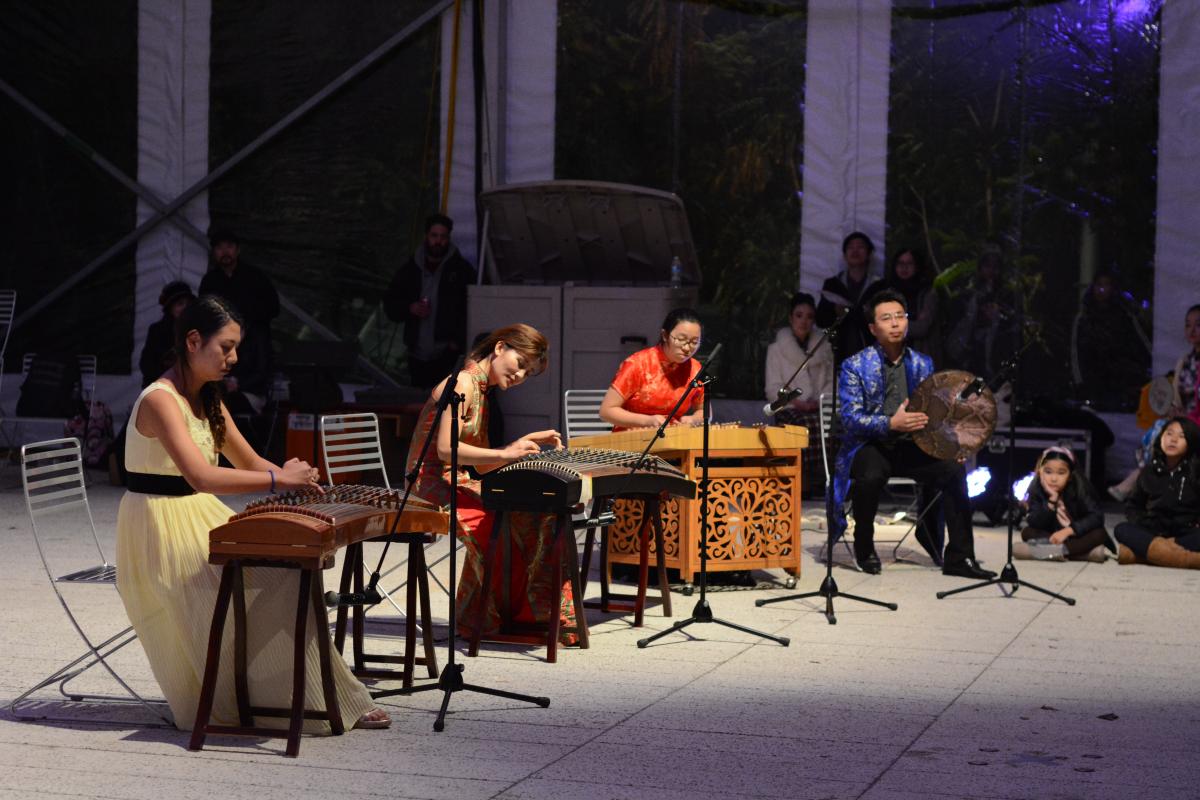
650,382
506,358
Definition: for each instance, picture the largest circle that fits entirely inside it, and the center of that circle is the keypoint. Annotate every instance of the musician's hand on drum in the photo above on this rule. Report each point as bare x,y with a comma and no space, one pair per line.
1061,535
906,421
544,438
519,449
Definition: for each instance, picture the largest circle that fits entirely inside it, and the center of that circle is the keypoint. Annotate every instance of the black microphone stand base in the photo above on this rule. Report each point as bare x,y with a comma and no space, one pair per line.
1008,575
703,613
829,590
451,681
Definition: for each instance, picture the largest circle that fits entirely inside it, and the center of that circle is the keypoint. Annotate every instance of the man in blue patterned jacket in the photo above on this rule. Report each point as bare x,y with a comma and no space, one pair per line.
877,428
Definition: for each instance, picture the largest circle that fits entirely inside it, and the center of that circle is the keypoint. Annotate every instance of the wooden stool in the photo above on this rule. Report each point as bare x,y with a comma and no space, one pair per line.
416,611
309,595
535,633
651,521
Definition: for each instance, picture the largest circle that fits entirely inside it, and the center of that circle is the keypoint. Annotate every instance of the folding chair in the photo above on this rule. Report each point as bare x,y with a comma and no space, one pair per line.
581,417
52,474
350,444
912,511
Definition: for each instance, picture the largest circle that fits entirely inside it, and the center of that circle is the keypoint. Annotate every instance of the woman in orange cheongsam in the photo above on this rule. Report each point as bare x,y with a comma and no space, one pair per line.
650,382
506,358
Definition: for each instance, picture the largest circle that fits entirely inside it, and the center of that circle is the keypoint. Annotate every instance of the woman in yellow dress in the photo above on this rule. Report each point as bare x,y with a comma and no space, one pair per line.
177,429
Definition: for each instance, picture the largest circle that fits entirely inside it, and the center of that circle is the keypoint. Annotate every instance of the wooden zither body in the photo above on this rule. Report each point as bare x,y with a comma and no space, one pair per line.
307,527
560,479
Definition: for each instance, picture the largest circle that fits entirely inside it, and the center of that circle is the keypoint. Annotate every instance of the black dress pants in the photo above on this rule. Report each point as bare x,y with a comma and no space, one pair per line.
1137,537
875,462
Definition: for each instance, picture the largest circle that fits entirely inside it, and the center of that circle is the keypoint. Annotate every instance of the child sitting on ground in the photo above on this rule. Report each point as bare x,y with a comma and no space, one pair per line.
1065,519
1163,513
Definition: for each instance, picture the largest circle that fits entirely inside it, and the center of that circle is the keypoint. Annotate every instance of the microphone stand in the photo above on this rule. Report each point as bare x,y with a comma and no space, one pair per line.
451,679
1008,371
829,588
702,612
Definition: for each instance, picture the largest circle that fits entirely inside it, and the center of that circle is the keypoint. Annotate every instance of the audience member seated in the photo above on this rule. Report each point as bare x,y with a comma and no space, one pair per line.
1111,350
1163,513
986,310
1187,369
158,352
843,294
1065,520
909,275
792,346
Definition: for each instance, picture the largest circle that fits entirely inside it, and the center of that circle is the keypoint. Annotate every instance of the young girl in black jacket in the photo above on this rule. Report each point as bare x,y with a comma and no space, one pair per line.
1163,512
1065,520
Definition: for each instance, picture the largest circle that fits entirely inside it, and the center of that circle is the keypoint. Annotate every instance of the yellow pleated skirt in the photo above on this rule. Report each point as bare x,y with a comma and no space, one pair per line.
169,590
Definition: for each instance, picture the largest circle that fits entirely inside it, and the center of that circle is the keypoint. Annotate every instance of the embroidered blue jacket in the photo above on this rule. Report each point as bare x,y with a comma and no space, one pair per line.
861,389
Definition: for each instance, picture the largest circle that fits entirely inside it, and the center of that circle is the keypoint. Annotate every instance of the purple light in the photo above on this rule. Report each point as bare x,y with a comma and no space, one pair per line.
1131,11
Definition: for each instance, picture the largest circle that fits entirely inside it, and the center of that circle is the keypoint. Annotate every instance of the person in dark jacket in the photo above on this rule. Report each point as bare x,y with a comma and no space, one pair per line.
1163,513
429,295
253,295
158,352
1065,519
843,296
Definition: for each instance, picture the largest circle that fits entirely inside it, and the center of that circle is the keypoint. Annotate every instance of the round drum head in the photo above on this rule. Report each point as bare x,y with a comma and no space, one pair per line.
1161,395
957,428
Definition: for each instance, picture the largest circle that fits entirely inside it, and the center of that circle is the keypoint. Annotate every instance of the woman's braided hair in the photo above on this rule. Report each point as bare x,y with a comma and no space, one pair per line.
206,316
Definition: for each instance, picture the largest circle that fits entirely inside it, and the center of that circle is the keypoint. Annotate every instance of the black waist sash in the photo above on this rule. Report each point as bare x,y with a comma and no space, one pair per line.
146,483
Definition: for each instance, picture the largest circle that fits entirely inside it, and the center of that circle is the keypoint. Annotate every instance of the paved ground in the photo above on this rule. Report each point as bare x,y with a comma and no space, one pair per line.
980,696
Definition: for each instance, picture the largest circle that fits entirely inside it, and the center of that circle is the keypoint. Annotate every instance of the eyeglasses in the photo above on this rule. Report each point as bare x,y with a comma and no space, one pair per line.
683,341
885,318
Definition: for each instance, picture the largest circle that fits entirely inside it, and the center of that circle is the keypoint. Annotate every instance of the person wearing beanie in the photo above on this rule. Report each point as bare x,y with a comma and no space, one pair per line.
158,351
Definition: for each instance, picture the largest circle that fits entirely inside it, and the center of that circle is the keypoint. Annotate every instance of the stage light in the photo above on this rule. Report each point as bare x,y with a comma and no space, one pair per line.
977,481
1020,487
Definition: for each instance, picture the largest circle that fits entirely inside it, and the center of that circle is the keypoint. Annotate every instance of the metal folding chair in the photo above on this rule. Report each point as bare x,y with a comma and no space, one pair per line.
350,445
52,475
912,510
87,392
581,413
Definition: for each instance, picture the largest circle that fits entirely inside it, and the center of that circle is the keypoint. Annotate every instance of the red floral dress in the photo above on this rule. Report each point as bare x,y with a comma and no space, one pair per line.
532,535
651,384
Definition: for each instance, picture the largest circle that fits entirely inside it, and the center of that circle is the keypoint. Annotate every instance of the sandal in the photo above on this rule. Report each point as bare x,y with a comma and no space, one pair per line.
375,719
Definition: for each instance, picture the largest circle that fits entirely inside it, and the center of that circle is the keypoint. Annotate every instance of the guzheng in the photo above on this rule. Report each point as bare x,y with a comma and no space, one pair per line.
560,479
309,527
691,437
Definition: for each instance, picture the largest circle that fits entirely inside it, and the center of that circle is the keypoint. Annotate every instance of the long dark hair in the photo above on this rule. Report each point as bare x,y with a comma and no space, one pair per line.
1191,459
206,316
525,339
912,287
678,315
1077,486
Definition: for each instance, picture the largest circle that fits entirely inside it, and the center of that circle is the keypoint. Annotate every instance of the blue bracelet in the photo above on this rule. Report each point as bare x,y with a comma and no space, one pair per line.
271,472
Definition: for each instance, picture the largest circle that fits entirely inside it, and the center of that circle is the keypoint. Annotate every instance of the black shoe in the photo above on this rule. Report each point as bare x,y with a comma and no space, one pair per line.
968,568
924,539
869,563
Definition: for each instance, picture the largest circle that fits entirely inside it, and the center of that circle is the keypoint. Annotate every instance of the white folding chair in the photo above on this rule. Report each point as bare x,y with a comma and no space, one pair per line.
350,444
581,413
8,310
898,485
52,474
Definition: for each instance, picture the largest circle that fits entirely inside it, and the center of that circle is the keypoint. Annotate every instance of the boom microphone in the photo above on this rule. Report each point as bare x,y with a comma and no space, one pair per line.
785,397
973,388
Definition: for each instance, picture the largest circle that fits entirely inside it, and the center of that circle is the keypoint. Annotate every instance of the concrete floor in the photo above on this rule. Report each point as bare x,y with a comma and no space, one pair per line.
979,695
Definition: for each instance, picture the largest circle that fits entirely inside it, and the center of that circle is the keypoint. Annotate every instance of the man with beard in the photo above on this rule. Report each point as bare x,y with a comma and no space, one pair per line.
253,295
429,295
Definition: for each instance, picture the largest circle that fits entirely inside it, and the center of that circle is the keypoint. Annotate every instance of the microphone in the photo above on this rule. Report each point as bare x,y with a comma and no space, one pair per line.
368,596
785,397
973,388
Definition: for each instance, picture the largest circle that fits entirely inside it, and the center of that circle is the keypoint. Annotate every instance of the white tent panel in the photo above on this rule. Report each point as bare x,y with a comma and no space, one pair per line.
845,131
173,80
1178,231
